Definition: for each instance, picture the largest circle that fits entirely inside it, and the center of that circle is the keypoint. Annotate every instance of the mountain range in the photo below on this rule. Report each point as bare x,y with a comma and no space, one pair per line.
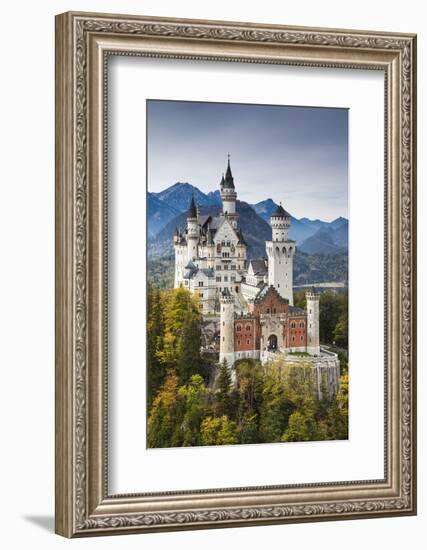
168,210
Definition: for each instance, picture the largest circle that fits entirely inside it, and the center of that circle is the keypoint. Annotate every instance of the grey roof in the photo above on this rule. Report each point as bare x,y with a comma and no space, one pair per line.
261,293
208,272
204,219
281,212
258,266
216,222
190,270
296,310
241,238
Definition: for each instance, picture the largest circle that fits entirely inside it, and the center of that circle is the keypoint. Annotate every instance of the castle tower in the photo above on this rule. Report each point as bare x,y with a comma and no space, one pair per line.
226,346
241,250
180,258
280,252
192,232
313,344
229,196
210,247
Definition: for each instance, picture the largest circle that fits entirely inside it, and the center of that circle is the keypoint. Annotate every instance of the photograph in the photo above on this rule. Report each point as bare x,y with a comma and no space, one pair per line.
235,272
247,274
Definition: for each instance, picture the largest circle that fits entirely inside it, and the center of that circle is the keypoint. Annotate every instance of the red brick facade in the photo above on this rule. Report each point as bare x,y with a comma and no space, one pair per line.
245,334
248,329
296,331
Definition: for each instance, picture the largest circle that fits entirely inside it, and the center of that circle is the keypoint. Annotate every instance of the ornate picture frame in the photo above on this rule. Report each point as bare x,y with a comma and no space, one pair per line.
84,42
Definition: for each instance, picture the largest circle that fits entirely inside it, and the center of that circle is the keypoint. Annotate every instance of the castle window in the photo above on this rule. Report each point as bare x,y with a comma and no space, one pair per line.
200,283
218,279
293,324
268,310
248,341
233,266
228,243
293,338
302,338
218,268
233,279
301,325
225,279
239,328
223,243
238,342
248,328
226,267
201,294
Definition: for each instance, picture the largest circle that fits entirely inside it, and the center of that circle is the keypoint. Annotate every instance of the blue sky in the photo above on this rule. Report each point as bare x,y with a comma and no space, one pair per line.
294,155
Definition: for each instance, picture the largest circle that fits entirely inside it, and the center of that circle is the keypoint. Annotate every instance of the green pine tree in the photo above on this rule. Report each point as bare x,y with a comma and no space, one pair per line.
223,400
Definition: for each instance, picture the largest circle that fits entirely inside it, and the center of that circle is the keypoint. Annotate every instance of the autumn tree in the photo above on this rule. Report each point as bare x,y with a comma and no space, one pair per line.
337,419
156,371
218,431
276,406
162,416
192,407
182,337
249,386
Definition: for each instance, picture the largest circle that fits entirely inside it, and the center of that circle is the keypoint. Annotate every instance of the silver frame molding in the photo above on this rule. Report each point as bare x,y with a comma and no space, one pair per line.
83,43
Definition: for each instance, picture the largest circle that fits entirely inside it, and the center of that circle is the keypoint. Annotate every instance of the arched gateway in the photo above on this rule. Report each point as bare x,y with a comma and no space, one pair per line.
272,342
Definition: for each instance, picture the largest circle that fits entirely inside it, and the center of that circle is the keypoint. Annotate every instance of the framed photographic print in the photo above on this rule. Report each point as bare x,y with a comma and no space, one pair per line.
235,274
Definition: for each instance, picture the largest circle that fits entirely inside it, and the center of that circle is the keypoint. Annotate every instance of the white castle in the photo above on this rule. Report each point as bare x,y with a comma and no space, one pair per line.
211,254
253,298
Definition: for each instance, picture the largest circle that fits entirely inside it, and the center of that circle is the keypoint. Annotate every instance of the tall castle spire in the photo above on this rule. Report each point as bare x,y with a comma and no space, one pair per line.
192,211
229,195
229,180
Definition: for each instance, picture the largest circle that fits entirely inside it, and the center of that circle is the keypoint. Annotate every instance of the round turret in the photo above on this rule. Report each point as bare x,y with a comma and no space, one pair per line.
280,222
192,231
313,344
226,346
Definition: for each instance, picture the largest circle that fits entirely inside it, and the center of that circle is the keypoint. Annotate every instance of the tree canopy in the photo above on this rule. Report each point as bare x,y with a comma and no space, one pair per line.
275,402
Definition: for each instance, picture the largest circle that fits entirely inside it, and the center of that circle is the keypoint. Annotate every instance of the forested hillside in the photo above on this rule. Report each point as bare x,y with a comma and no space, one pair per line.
270,403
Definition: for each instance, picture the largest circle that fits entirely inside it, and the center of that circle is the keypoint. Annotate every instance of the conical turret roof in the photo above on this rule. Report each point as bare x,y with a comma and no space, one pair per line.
229,180
192,212
280,212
